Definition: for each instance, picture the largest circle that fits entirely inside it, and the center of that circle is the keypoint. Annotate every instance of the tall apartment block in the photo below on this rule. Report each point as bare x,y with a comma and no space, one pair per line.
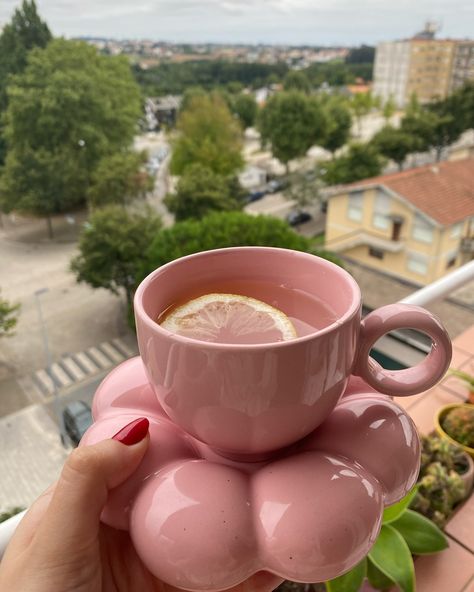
431,68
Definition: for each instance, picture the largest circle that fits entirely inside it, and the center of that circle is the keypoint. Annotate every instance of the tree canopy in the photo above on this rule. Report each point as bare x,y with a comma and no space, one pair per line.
292,122
120,178
219,230
297,80
339,124
68,109
8,317
24,32
360,162
111,248
365,54
245,107
201,191
208,135
396,144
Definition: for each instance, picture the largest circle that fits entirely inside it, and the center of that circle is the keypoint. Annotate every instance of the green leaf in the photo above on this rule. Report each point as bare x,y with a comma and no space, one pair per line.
350,581
392,557
421,535
392,513
378,579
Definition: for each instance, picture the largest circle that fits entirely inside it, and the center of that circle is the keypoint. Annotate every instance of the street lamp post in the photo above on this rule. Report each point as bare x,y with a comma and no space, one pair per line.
44,334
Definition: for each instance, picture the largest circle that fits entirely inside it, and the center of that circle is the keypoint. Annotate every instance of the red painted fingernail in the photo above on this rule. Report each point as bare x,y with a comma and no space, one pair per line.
133,432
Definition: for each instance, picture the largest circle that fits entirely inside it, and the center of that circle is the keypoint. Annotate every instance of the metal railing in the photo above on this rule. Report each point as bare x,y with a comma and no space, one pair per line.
427,295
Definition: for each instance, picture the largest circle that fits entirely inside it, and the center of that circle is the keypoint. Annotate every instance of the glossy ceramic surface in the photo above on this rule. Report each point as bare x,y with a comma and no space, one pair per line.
201,521
239,398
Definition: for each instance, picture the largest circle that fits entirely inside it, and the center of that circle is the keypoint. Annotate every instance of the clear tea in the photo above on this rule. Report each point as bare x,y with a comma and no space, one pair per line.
306,312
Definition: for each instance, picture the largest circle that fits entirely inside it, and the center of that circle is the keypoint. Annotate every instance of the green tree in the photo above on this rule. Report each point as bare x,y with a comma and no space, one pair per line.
389,108
8,317
219,230
119,179
361,105
434,129
395,144
365,54
190,94
24,32
292,122
111,248
68,109
303,188
245,107
297,80
361,162
339,123
201,191
208,135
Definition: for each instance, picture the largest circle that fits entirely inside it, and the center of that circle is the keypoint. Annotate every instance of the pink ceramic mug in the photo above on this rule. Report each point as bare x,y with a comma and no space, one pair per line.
249,400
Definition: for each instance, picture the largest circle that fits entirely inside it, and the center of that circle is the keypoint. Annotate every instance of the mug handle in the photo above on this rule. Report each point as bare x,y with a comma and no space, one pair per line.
411,381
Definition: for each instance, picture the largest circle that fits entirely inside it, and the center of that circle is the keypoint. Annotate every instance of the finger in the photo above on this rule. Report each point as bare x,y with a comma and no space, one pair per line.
72,518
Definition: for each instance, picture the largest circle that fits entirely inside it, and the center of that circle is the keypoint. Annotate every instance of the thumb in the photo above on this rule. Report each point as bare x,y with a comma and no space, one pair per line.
72,519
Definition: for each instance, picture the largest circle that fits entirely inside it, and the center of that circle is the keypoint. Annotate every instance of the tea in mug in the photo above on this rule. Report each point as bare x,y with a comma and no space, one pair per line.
245,312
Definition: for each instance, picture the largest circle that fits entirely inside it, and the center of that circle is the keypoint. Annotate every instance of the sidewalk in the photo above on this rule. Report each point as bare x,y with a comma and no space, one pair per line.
31,458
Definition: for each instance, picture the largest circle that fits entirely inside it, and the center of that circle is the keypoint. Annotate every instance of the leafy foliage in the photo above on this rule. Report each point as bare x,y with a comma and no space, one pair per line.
297,80
245,107
67,110
111,248
292,122
361,161
396,144
8,317
219,230
365,54
339,123
25,31
201,191
176,78
209,136
389,562
119,179
362,104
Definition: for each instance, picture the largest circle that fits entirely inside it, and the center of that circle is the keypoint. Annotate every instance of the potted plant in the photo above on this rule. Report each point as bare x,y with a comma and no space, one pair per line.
456,423
433,479
389,563
468,379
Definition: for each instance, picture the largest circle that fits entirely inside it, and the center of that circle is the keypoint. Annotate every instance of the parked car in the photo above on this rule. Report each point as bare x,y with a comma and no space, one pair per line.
255,195
276,185
296,218
77,418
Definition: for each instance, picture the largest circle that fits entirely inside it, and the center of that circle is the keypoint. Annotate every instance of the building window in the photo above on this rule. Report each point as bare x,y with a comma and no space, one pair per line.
376,253
422,229
456,230
417,263
451,260
381,211
356,206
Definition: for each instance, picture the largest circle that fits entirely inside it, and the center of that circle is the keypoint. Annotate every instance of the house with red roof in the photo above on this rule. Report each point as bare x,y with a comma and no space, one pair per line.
416,225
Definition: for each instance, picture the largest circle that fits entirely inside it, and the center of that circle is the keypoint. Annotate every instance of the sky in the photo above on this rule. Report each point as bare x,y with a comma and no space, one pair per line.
293,22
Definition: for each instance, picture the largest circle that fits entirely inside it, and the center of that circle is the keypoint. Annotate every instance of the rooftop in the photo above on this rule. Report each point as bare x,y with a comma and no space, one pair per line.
444,192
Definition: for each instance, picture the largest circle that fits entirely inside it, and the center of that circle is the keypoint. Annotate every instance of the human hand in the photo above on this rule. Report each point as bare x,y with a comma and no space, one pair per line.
61,545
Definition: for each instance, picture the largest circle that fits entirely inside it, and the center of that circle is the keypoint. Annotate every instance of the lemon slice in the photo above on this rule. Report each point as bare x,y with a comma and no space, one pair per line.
229,318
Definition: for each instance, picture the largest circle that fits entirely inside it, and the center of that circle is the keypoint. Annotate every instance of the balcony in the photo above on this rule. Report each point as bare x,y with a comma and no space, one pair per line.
449,571
364,238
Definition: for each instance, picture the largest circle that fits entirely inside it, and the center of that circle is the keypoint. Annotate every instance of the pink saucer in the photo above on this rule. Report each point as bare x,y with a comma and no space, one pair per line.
200,521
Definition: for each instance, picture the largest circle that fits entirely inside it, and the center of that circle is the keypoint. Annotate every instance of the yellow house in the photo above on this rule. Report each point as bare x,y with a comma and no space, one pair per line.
416,225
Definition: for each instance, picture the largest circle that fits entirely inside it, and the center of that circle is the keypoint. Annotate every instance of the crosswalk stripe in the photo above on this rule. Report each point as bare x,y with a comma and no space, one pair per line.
73,369
60,376
99,357
123,347
45,381
111,352
86,363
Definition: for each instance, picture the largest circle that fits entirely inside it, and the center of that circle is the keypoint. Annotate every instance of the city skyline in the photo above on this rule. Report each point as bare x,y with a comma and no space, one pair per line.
291,22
